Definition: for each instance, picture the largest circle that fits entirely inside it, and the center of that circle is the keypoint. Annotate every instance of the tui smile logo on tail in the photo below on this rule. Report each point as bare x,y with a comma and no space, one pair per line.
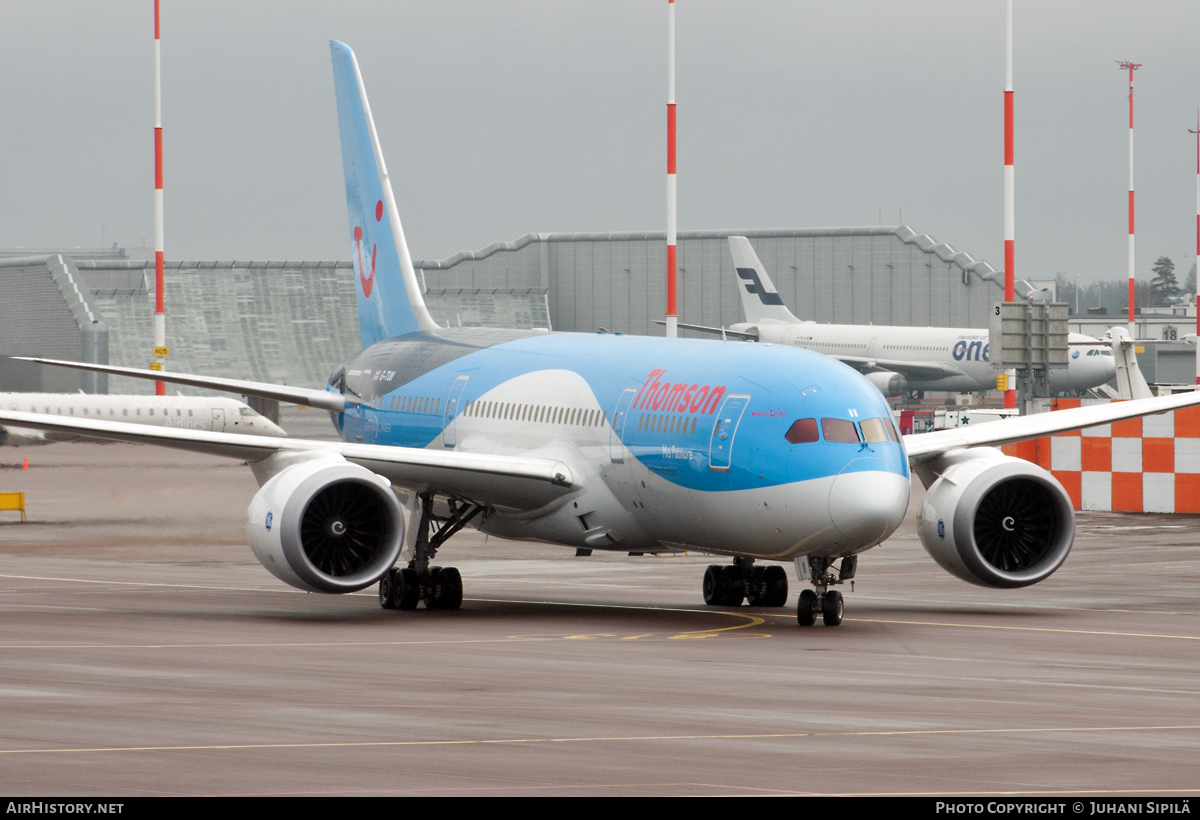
367,281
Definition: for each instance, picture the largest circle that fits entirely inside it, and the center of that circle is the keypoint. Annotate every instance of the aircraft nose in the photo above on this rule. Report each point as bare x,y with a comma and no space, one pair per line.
867,502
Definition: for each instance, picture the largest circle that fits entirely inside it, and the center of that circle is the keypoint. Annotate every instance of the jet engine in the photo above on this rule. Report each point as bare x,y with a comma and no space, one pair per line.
326,525
889,384
994,520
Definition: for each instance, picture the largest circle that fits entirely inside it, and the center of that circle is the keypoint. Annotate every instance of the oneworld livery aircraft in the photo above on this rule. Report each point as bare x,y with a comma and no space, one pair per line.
759,452
894,359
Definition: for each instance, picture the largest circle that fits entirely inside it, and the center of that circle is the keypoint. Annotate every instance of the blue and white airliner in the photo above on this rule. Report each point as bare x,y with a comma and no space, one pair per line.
767,454
895,359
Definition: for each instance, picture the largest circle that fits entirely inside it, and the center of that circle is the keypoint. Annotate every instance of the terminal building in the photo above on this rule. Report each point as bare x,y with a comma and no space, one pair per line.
292,322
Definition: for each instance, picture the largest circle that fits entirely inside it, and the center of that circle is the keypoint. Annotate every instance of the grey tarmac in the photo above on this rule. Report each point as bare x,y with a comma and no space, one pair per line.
144,651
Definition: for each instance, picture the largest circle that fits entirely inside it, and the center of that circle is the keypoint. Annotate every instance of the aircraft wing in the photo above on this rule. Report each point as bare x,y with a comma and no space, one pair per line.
321,399
718,331
519,482
923,371
925,446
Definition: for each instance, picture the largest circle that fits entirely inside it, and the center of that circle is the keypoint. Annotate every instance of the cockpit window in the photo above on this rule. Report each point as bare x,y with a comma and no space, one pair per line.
891,428
248,411
873,431
841,430
802,431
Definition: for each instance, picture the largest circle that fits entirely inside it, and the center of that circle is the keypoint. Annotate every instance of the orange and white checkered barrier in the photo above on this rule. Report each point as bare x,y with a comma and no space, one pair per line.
1149,464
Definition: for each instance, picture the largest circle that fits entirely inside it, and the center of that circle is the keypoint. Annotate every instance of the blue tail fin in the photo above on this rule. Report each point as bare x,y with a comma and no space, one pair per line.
389,298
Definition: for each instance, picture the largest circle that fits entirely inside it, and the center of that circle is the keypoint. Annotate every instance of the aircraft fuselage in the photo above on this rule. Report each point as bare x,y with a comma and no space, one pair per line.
675,447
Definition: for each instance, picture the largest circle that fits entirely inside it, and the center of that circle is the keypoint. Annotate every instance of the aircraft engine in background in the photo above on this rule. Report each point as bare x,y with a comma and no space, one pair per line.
326,525
889,384
994,520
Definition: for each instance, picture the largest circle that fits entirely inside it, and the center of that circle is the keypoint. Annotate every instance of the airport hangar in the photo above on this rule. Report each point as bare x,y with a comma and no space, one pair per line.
292,322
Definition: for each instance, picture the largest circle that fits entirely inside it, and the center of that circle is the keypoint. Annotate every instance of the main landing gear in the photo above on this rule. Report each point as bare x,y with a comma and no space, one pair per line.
822,600
438,587
729,585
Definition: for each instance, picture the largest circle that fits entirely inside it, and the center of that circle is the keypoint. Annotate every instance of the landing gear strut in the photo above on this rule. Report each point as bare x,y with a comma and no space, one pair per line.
823,600
438,587
729,585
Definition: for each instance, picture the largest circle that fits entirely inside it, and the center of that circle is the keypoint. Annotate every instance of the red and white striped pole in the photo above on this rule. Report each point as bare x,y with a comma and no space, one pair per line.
1010,393
160,319
672,316
1132,323
1197,133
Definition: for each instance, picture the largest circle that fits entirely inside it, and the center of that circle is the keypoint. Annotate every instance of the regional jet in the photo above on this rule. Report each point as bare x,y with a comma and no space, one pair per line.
894,359
764,453
212,413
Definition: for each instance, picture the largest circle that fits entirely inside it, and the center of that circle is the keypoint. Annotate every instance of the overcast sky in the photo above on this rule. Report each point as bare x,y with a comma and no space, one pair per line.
498,119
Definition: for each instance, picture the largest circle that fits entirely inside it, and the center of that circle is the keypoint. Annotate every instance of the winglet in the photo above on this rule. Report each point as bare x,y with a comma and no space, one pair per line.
390,302
760,300
1131,384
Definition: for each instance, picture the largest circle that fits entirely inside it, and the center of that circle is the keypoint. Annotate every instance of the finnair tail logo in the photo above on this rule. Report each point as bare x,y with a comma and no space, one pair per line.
366,281
756,286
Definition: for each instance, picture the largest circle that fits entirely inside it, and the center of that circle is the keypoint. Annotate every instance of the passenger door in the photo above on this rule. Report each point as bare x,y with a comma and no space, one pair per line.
218,420
720,447
449,436
616,438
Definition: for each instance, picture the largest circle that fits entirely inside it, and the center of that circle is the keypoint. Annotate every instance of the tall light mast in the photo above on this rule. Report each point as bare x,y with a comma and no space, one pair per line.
1131,67
1010,393
160,316
672,316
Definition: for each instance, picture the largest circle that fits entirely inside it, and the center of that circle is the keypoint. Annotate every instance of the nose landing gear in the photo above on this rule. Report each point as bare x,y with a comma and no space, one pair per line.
822,600
729,585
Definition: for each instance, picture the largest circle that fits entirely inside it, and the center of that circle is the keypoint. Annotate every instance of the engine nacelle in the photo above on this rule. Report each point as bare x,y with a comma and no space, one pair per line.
326,525
994,520
889,384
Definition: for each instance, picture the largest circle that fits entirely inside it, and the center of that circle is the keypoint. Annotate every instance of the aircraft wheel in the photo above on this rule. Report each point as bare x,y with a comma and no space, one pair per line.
712,585
833,609
774,581
387,589
806,608
756,587
733,580
408,588
450,588
429,589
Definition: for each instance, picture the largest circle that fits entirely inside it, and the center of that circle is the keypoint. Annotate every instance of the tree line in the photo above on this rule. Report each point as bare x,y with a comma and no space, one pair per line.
1162,289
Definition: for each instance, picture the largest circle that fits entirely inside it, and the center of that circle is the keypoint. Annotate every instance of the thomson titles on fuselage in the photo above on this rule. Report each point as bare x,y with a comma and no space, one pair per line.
679,397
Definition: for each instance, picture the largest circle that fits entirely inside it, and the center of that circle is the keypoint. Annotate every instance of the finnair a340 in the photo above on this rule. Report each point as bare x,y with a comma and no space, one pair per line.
762,453
894,359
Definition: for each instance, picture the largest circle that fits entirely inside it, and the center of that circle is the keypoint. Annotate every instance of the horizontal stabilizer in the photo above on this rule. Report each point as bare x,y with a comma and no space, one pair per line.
320,399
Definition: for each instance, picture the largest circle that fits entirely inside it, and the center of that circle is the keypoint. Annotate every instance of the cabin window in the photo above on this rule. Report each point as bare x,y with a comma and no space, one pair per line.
189,412
693,430
152,411
840,430
124,411
802,431
873,431
139,411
